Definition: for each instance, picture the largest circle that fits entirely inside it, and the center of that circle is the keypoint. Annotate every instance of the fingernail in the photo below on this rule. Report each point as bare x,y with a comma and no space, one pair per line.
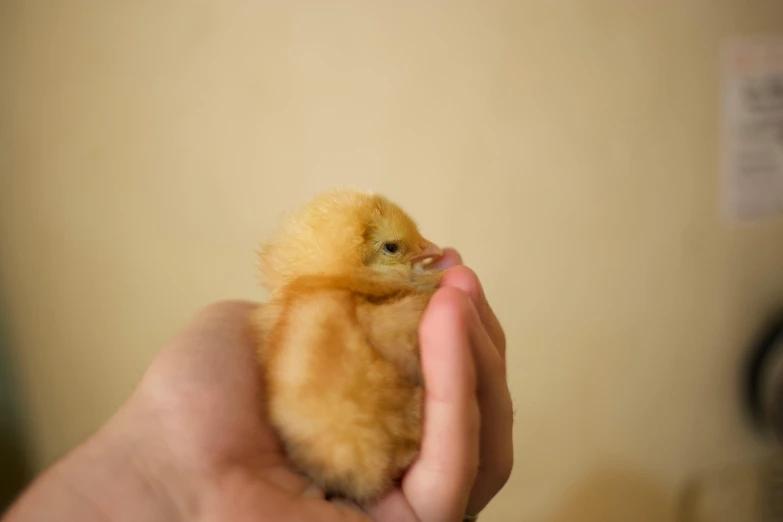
450,258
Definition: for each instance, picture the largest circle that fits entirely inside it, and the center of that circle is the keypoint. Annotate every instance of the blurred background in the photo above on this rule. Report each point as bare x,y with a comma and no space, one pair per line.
570,149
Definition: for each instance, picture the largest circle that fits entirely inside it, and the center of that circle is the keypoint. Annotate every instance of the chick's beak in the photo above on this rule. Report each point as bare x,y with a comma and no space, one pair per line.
429,254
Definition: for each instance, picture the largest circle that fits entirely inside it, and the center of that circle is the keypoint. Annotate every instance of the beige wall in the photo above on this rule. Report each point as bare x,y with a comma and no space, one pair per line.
568,148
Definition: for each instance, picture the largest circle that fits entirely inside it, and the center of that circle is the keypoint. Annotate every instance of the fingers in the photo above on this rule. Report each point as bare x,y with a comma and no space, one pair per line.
466,280
393,507
496,457
450,258
439,482
496,448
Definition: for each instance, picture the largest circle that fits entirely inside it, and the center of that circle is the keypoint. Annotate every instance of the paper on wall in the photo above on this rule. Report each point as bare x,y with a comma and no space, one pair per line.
753,128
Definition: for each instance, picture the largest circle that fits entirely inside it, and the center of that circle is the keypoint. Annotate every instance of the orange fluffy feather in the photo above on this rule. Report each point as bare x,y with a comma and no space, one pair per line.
338,340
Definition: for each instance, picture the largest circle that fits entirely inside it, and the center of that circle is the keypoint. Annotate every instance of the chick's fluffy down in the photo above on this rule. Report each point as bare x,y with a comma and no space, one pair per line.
339,345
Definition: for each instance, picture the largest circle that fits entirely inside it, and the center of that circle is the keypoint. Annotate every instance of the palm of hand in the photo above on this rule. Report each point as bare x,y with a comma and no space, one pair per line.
204,394
208,395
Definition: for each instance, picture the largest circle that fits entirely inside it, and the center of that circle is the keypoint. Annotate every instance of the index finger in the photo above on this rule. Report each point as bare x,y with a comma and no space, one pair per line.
437,485
459,276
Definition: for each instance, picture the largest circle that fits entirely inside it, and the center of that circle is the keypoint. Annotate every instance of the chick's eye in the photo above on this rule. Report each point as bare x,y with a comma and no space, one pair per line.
391,248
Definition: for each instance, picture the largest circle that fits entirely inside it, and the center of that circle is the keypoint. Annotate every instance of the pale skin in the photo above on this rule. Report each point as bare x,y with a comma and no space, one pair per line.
193,444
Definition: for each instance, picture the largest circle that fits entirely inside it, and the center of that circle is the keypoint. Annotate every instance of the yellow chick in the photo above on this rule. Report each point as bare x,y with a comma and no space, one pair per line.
349,277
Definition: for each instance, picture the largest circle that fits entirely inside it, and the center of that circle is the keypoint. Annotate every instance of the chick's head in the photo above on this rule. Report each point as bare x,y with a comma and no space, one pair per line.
343,231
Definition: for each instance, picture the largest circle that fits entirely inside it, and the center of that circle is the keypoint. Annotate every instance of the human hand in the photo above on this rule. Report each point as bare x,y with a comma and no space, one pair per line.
467,448
193,442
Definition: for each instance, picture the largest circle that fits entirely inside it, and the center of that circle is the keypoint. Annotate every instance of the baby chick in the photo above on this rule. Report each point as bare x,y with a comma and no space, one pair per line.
349,277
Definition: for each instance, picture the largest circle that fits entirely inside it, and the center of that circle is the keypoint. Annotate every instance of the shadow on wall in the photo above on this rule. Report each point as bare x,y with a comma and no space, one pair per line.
14,472
615,494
